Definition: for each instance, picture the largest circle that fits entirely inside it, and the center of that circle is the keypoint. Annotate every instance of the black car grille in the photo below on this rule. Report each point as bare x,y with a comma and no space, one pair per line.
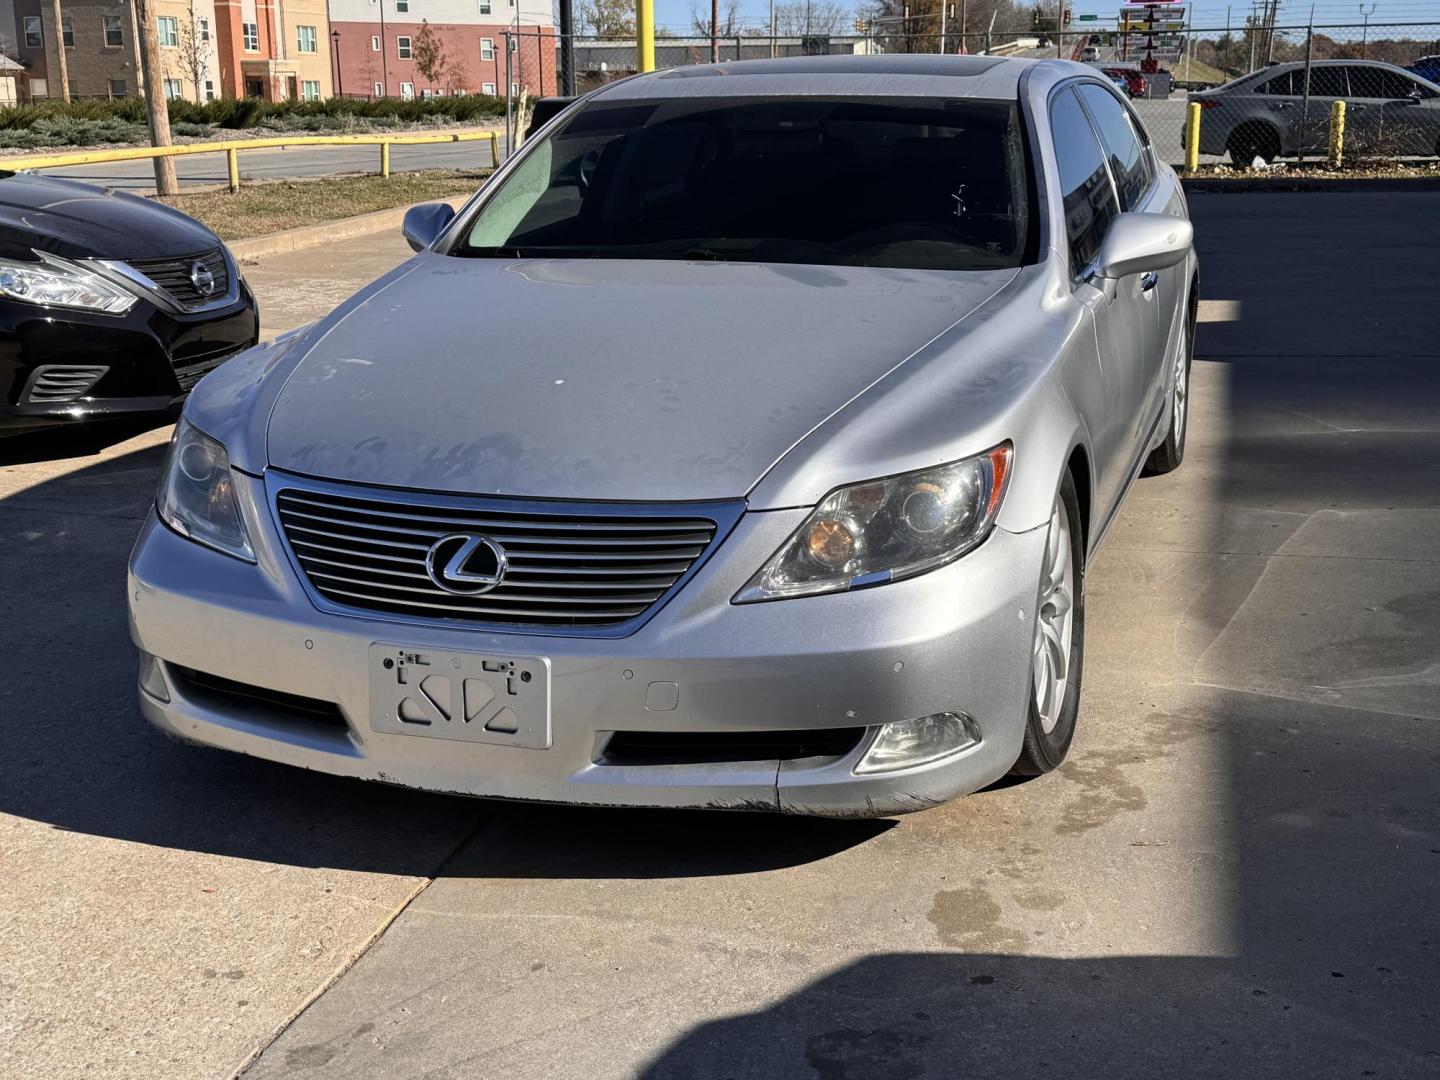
566,568
58,383
193,365
174,276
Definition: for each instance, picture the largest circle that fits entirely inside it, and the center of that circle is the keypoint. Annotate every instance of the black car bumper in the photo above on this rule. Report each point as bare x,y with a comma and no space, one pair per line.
59,366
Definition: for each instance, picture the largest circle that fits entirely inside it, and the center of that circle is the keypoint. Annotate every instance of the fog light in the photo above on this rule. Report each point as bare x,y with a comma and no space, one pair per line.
152,679
907,743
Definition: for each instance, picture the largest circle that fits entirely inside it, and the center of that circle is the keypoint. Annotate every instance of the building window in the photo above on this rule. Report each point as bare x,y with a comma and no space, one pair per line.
402,5
488,88
114,35
169,31
379,89
407,90
174,89
34,36
374,42
203,27
305,38
310,90
39,88
117,88
514,88
74,89
487,48
67,32
484,7
252,36
209,90
402,46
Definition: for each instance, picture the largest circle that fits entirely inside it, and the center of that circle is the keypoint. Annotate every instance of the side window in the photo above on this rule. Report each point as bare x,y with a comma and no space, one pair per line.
1129,164
1324,82
1085,188
1280,84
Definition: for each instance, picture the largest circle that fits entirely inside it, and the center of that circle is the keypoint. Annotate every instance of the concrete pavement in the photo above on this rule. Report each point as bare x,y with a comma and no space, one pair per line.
1233,875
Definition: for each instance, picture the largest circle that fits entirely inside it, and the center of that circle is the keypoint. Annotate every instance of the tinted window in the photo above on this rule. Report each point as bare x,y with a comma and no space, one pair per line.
1085,188
1380,83
920,183
1128,163
1280,84
1324,82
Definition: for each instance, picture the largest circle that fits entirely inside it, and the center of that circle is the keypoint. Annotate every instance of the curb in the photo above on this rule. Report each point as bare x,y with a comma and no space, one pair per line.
308,236
1301,183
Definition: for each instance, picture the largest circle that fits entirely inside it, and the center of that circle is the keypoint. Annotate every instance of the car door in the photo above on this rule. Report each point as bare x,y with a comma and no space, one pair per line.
1328,84
1122,318
1404,112
1277,103
1132,170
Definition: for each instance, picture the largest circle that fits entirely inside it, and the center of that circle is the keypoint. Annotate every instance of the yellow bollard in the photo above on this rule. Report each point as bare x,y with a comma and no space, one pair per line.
645,34
232,158
385,159
1192,138
494,150
1337,134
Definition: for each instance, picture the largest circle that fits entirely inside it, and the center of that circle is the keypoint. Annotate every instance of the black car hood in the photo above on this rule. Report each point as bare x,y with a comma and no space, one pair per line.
81,221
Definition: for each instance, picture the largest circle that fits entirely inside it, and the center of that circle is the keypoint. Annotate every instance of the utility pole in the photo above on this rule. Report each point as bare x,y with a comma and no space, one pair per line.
964,45
156,109
772,29
714,31
567,48
61,66
944,14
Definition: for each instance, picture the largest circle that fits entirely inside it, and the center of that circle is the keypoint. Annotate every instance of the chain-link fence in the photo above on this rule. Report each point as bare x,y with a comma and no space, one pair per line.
1265,91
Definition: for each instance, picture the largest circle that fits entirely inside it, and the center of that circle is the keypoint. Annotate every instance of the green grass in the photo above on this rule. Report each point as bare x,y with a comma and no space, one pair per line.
257,209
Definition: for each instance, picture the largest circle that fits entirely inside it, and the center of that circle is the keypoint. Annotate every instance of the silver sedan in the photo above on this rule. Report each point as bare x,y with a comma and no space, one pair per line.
742,443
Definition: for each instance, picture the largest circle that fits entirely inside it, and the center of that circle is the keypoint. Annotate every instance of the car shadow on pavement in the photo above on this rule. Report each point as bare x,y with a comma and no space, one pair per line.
59,443
79,756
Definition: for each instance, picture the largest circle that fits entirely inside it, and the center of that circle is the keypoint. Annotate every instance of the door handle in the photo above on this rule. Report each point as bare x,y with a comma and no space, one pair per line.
1149,281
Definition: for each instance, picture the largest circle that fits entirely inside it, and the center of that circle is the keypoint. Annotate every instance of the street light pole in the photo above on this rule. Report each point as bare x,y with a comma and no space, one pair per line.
335,55
1365,29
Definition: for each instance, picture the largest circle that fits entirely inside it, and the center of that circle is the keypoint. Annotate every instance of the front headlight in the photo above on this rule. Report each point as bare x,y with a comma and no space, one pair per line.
56,282
197,495
884,530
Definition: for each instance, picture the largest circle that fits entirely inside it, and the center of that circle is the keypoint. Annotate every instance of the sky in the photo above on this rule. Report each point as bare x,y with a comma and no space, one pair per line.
675,14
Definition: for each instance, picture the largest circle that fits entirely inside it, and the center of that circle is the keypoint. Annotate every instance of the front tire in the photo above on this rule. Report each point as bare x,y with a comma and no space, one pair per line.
1169,454
1058,647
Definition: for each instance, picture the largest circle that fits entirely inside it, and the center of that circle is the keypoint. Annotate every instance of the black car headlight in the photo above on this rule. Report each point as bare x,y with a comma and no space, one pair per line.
197,494
55,282
885,530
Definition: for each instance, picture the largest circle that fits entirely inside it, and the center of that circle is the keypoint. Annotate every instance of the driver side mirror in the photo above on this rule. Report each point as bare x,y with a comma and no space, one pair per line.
424,223
1141,243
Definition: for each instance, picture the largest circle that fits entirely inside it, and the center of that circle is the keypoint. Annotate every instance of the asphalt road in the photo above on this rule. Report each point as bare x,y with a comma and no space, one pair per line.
1232,876
285,163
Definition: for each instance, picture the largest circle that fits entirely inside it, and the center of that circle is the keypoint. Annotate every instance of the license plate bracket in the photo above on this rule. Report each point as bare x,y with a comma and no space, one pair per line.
464,696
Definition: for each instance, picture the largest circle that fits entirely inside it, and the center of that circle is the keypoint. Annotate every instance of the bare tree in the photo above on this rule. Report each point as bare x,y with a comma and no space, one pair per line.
796,17
428,52
607,18
191,58
729,23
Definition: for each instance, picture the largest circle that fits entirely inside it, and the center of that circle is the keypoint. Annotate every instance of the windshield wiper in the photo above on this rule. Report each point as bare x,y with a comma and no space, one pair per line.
492,253
705,255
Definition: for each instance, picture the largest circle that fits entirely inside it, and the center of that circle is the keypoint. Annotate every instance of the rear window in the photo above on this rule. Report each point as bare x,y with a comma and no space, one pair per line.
918,183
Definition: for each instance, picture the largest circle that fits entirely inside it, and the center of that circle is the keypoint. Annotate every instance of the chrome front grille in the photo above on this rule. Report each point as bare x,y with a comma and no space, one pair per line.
570,566
174,276
53,384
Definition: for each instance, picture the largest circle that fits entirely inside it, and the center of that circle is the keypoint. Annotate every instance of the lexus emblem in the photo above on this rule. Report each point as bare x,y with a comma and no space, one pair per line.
465,564
202,278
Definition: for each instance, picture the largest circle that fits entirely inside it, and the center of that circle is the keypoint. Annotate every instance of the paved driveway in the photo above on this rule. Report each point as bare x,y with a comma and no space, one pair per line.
1232,876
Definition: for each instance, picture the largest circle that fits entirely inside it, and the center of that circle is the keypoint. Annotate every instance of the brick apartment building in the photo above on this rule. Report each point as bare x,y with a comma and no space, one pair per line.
273,49
375,53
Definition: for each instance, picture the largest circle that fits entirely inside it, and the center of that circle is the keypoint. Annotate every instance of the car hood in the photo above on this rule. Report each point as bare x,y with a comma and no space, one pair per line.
599,379
81,221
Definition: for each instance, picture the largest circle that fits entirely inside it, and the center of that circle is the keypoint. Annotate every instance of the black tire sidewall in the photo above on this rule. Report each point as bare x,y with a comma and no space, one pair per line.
1045,750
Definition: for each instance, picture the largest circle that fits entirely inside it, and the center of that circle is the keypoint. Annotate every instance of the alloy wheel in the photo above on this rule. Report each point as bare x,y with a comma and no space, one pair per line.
1054,622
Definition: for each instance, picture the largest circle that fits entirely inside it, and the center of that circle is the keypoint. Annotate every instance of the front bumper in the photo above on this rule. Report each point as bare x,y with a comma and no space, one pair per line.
956,639
151,357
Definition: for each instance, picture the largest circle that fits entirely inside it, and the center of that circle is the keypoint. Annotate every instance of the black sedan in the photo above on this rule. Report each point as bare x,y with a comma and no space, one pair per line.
110,304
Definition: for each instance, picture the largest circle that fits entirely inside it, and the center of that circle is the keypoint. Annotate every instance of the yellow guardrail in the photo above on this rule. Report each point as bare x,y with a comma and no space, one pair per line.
231,149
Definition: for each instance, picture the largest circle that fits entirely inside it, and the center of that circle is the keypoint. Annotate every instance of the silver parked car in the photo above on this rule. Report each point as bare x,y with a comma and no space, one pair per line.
742,443
1278,112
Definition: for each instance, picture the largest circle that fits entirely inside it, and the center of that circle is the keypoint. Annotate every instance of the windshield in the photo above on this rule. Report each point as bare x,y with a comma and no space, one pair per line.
926,184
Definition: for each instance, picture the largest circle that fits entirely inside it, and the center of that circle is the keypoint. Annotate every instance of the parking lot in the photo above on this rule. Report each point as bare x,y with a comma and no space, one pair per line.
1233,875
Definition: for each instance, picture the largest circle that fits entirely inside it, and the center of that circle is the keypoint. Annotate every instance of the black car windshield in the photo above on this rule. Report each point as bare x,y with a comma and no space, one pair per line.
918,183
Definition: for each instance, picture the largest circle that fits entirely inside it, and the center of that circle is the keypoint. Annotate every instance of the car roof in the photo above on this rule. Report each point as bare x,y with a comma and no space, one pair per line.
904,75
